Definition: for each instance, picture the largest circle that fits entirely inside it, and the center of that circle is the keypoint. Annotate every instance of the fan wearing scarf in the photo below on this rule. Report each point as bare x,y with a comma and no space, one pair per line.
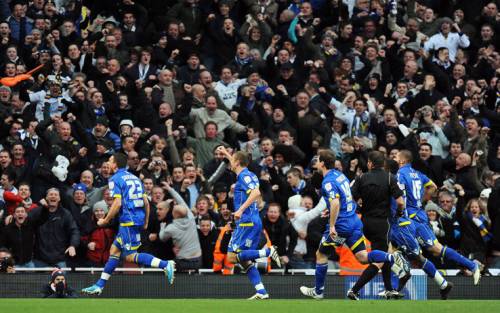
476,227
298,185
54,100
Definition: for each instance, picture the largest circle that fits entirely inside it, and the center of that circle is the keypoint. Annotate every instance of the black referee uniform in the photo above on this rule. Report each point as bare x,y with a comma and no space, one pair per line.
376,189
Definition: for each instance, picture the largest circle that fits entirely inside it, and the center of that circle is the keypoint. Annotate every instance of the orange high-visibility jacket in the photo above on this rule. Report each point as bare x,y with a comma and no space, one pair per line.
219,257
220,261
349,265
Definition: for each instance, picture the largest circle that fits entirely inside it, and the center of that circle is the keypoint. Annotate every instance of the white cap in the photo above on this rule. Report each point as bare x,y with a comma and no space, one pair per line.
127,122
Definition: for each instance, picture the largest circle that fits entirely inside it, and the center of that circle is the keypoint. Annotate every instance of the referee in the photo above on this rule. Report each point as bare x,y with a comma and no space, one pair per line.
376,189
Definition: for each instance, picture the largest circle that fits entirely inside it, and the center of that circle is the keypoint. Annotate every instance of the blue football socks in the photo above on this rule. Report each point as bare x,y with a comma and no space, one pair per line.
254,277
109,268
320,277
449,254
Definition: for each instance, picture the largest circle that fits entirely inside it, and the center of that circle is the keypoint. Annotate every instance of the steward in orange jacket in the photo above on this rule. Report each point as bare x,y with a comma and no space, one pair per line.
220,261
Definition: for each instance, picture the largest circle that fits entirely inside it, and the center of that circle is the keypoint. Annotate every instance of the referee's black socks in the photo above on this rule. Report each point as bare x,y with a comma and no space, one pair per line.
367,275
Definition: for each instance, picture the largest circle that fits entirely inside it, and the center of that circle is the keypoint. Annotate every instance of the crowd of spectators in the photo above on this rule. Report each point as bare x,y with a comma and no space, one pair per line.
167,82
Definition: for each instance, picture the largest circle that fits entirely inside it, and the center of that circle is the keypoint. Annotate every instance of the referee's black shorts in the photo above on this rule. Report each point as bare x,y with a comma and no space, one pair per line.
376,230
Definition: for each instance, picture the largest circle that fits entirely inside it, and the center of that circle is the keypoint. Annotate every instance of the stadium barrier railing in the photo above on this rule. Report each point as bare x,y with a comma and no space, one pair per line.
151,283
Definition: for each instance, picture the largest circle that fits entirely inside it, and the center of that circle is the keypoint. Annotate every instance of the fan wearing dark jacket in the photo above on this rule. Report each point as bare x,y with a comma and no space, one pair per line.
280,232
56,233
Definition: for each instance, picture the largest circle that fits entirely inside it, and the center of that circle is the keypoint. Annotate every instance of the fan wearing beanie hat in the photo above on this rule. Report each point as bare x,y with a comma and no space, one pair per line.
57,276
100,206
80,187
433,211
80,195
58,286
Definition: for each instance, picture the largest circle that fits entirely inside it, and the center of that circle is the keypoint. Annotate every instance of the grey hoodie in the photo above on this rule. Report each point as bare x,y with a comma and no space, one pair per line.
183,232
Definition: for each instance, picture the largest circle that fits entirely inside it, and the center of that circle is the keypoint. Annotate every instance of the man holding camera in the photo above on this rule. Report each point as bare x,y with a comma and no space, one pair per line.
6,262
58,286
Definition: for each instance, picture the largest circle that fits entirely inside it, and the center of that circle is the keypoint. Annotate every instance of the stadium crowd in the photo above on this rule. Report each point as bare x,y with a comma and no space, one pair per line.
167,82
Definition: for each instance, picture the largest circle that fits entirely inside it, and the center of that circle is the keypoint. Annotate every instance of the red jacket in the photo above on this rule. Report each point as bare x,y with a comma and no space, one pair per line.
103,238
12,201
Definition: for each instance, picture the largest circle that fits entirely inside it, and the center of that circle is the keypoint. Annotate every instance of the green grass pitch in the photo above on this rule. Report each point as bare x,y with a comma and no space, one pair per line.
243,306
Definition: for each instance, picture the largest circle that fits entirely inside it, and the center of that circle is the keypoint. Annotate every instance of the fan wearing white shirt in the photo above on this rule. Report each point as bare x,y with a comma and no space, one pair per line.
357,118
228,86
446,39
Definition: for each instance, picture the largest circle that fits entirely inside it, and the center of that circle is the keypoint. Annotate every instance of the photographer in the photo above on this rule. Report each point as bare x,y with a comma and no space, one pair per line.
6,262
58,287
430,131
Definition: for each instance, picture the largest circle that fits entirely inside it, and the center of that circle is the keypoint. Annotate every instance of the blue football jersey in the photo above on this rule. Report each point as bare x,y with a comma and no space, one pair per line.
336,185
130,190
245,183
413,184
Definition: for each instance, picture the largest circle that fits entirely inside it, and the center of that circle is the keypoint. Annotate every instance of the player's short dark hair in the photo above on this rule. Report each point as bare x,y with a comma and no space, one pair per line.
377,158
328,158
406,155
120,159
242,158
426,144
